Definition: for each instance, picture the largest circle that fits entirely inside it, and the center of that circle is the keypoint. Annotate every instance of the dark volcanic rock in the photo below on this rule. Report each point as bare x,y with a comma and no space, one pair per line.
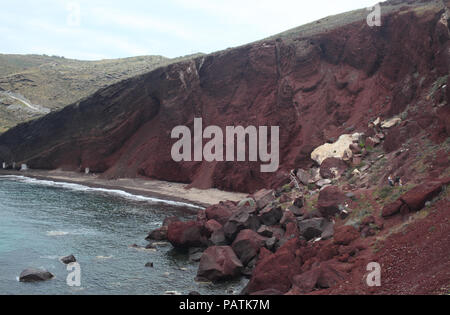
68,259
219,263
247,245
35,275
240,221
311,228
271,215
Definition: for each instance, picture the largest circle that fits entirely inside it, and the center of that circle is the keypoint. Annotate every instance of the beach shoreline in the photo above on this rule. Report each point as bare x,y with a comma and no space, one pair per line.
137,186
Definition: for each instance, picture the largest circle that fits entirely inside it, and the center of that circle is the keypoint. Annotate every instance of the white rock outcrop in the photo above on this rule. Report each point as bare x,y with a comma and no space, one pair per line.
339,149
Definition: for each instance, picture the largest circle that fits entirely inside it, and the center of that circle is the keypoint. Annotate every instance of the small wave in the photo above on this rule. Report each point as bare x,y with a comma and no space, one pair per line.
50,257
57,233
104,257
120,193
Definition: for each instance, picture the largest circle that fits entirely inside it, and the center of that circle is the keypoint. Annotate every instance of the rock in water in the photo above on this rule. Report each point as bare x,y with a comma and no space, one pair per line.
219,263
35,275
183,235
68,259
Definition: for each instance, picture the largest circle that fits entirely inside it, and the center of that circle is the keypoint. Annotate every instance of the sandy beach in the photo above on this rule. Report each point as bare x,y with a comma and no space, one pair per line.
137,186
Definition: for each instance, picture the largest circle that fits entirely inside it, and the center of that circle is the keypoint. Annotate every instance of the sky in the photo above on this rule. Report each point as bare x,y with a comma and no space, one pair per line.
105,29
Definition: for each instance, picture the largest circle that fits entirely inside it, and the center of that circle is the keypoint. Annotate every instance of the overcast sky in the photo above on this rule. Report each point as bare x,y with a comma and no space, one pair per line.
116,29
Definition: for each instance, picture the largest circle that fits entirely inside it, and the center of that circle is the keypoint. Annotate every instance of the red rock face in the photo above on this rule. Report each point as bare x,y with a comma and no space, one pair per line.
315,87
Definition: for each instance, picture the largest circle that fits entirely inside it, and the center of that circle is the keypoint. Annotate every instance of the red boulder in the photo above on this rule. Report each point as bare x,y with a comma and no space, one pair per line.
332,167
276,271
330,198
219,263
344,235
221,212
186,234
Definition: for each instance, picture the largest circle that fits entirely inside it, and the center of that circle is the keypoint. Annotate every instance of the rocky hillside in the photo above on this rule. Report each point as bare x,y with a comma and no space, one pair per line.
50,83
316,83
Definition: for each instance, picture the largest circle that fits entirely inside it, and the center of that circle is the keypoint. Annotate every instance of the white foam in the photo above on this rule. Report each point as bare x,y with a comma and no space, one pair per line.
120,193
57,233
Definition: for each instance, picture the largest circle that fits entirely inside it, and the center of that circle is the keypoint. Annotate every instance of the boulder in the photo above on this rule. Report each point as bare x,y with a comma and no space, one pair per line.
158,234
219,263
184,235
418,196
298,212
345,235
247,245
389,123
221,212
292,232
271,215
303,176
265,231
330,198
263,198
240,221
339,149
332,168
276,271
372,142
356,148
68,259
169,220
391,208
218,238
212,226
288,216
35,275
311,228
327,231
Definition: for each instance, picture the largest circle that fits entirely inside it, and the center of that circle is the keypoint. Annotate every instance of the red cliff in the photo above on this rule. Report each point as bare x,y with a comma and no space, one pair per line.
316,82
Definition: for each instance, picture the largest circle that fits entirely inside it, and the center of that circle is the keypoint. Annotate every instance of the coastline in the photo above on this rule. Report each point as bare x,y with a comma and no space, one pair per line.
149,188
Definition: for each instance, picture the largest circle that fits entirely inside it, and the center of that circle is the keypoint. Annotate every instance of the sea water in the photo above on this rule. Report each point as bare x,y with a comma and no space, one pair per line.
42,221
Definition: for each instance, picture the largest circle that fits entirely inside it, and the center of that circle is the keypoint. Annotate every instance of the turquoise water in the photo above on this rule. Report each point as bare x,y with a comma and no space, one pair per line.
42,221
